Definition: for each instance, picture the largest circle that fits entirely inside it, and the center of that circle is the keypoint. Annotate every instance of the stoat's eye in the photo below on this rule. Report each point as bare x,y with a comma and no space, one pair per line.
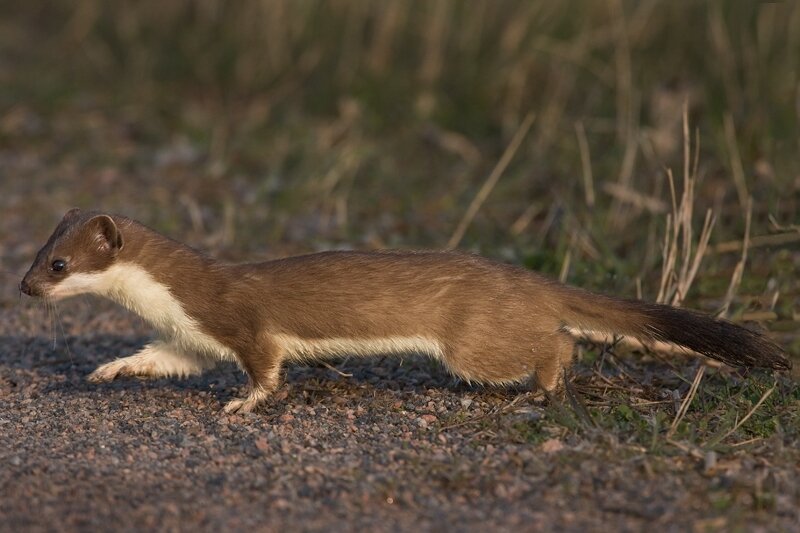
58,265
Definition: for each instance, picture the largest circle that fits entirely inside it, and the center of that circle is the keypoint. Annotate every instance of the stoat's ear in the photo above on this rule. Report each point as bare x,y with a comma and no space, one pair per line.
72,213
106,232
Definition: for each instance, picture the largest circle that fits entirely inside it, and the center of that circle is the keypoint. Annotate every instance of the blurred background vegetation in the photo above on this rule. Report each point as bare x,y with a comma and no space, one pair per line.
261,128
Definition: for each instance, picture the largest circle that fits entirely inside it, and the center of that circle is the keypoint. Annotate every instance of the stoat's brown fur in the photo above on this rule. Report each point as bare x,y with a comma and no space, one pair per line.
485,321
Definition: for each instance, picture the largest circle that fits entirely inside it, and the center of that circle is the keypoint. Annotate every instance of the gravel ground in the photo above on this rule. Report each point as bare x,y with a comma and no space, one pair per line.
397,445
252,169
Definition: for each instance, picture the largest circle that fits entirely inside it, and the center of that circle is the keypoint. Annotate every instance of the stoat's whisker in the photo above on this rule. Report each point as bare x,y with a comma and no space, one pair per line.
51,307
60,324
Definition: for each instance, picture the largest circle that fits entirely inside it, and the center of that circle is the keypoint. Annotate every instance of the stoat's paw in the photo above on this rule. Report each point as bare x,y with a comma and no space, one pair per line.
119,368
240,405
248,403
104,373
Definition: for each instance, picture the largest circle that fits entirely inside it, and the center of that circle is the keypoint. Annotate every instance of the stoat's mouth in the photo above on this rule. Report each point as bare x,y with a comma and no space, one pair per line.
56,293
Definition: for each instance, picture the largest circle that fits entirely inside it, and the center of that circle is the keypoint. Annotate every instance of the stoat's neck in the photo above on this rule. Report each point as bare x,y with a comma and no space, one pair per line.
136,289
139,291
154,275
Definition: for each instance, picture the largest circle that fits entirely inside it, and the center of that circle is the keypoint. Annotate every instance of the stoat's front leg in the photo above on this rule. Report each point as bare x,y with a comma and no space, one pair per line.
262,362
157,359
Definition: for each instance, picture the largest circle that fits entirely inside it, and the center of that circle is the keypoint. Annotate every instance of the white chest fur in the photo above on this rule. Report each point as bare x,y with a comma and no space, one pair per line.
134,288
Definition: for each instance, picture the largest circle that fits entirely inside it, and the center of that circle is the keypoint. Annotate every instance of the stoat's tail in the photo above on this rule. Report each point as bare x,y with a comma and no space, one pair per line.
718,339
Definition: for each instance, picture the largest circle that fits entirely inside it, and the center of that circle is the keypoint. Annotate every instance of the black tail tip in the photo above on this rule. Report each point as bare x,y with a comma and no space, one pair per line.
768,354
781,363
719,339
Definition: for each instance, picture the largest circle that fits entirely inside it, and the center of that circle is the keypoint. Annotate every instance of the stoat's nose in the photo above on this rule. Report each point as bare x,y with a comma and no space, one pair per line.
24,287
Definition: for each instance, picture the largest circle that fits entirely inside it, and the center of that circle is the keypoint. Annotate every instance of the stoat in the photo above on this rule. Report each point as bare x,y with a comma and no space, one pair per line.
486,322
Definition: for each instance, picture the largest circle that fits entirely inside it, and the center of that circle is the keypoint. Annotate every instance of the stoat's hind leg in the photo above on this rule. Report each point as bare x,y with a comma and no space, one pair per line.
262,362
551,370
157,359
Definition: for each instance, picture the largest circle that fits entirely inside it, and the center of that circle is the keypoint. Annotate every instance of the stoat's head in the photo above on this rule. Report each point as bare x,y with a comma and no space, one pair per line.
82,247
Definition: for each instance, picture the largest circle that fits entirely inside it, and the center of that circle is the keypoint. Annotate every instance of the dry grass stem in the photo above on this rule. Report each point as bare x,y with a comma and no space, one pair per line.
564,274
736,277
746,442
637,199
455,143
334,369
694,451
586,164
624,70
491,181
494,412
524,220
758,241
780,228
619,215
682,257
194,211
737,169
748,415
687,401
435,37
